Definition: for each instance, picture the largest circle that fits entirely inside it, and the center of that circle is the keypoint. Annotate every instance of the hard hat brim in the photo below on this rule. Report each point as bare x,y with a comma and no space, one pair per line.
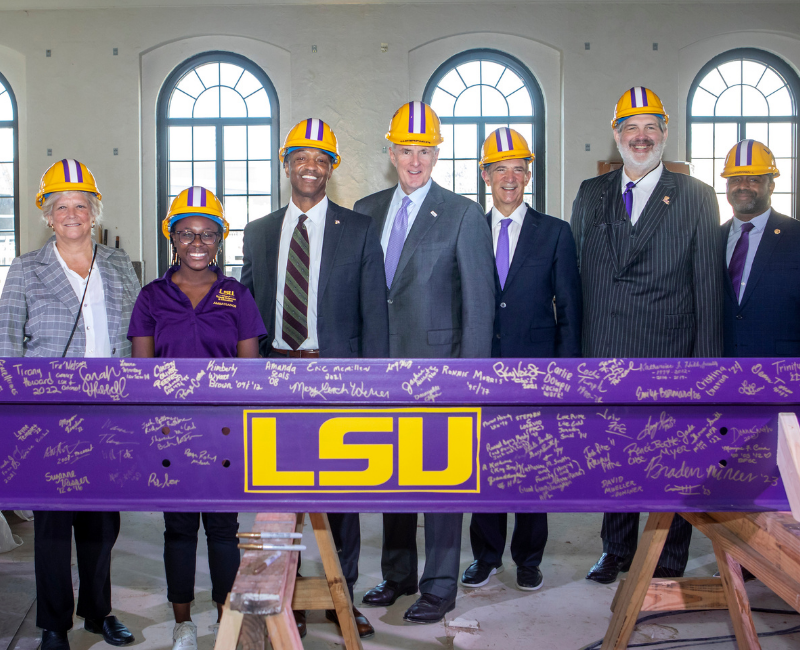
285,151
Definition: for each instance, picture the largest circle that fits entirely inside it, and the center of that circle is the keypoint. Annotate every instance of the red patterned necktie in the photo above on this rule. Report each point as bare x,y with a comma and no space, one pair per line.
295,290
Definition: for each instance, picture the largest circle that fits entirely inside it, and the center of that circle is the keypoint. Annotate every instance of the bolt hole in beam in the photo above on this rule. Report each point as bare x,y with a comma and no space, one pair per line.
165,430
226,463
723,463
723,431
225,431
166,463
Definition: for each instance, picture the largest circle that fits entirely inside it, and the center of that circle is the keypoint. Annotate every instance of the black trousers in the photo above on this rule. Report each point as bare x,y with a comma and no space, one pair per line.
620,535
346,531
95,534
180,553
487,534
442,551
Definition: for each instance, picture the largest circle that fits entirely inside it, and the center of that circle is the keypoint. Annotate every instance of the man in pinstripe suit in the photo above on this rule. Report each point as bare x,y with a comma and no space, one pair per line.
652,284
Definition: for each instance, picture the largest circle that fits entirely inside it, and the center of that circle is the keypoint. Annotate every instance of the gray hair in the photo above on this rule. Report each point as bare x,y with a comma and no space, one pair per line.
662,124
95,205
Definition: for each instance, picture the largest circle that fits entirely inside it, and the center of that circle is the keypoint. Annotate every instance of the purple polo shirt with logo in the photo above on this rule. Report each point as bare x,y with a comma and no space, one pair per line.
226,315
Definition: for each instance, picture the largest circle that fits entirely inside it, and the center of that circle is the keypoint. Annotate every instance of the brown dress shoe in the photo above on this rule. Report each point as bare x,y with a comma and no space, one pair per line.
300,619
364,627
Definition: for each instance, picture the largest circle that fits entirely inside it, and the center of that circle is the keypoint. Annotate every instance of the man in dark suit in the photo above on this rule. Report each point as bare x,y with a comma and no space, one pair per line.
439,271
652,283
536,268
762,255
315,270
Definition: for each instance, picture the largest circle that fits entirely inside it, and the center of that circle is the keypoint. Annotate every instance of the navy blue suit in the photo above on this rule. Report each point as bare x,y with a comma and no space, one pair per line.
526,324
767,321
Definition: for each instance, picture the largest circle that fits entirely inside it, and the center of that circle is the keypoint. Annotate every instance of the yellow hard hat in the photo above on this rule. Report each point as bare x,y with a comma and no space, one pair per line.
67,175
415,123
749,158
315,134
504,144
195,201
638,101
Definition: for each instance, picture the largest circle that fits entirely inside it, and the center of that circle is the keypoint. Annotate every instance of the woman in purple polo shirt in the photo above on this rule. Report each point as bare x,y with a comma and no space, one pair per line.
194,311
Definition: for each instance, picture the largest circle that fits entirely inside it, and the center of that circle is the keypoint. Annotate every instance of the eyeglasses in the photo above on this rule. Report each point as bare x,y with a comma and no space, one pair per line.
187,237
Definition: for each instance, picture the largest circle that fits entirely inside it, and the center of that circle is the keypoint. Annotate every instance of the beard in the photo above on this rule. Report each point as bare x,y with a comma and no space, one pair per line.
748,202
641,166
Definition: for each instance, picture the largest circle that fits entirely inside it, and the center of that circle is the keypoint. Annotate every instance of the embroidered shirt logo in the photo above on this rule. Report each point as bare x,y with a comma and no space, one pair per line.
225,299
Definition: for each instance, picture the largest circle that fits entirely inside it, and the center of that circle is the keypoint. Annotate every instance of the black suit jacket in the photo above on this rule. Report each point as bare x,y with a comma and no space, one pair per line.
352,320
653,290
544,268
767,321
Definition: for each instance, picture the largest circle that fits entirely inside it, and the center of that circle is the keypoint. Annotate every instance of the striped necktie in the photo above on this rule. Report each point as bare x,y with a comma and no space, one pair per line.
295,290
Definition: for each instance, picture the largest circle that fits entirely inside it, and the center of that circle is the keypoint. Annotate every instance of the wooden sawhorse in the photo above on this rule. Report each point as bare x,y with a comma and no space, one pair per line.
267,588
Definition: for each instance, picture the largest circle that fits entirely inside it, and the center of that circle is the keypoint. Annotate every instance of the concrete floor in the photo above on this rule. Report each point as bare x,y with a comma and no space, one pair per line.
568,613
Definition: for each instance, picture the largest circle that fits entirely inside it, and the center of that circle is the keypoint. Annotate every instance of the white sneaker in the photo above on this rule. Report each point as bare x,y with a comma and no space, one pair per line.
184,636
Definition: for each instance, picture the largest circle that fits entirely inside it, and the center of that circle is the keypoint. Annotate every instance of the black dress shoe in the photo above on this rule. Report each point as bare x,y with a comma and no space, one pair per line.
364,627
112,629
748,577
54,640
386,593
300,619
666,572
529,578
429,609
607,568
478,573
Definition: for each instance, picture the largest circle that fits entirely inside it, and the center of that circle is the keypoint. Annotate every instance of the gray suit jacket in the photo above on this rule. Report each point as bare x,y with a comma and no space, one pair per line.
441,303
38,305
653,290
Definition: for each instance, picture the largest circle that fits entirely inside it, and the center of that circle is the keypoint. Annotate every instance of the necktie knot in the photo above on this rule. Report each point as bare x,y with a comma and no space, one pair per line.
406,202
629,186
301,222
505,223
747,227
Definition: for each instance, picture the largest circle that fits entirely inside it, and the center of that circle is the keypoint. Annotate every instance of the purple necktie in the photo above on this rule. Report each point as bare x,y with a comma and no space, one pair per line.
396,240
736,267
502,252
627,197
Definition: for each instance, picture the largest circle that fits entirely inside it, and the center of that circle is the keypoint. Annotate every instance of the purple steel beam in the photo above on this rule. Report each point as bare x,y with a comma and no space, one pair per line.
475,435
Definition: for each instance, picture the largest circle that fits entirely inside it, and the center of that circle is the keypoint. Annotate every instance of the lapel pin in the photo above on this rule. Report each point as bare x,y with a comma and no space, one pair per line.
337,222
777,231
666,200
434,214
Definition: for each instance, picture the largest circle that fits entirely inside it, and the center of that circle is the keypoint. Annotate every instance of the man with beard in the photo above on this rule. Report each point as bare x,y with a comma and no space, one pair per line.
762,255
650,266
316,272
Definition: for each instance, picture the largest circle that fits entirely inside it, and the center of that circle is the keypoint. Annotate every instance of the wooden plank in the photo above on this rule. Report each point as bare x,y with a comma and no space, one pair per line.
336,583
738,602
677,594
282,629
311,593
263,576
789,459
782,583
633,591
229,627
254,632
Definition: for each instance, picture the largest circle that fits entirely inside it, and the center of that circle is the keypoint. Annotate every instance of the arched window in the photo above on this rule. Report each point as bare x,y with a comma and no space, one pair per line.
218,127
744,93
9,179
473,94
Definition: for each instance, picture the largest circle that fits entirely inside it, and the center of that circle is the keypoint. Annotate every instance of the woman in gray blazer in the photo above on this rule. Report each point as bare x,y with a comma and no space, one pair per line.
71,298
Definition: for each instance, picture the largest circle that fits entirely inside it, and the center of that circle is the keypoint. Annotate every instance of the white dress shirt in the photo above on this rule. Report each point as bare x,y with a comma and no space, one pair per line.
417,197
315,226
517,217
95,320
759,225
643,189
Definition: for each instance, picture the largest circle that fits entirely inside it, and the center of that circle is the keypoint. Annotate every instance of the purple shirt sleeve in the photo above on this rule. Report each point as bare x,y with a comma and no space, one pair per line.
251,324
142,321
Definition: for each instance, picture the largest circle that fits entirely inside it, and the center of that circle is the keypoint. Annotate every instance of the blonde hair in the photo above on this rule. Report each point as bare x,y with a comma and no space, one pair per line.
95,205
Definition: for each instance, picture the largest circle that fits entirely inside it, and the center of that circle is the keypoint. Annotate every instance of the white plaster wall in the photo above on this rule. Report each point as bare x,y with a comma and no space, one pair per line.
83,102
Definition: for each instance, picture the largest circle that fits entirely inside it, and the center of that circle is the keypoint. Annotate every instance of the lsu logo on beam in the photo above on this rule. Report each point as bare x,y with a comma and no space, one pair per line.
362,450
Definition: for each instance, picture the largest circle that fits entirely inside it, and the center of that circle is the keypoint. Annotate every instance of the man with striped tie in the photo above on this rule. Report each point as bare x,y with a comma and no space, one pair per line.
650,267
316,272
440,279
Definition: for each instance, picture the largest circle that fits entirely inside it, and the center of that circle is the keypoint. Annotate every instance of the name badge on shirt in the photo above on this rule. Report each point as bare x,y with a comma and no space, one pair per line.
225,299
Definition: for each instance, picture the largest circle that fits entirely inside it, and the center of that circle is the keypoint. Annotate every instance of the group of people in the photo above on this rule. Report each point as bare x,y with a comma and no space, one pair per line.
413,271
